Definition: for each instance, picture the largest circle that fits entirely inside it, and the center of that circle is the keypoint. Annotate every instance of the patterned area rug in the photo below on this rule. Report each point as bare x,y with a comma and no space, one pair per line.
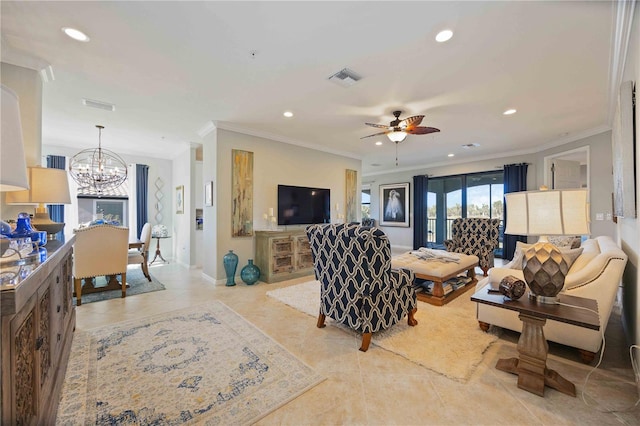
429,344
138,284
201,365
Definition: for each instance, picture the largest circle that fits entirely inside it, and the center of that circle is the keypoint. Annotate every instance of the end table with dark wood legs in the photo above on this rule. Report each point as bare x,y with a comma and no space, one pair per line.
158,254
531,364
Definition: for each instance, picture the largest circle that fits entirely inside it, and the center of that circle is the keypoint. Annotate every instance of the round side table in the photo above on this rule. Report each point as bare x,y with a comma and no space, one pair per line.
158,254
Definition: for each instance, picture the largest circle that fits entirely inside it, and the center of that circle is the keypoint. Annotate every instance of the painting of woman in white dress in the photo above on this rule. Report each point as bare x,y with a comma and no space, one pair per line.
394,204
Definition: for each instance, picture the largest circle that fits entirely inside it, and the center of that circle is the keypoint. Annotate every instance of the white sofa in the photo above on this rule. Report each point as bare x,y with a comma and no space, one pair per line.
595,274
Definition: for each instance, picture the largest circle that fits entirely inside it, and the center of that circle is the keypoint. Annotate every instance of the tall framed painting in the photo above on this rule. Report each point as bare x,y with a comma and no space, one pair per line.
623,142
180,199
394,204
241,193
351,199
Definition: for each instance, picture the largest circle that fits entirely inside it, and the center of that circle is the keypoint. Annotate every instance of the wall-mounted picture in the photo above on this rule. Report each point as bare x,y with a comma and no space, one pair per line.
180,199
208,194
394,204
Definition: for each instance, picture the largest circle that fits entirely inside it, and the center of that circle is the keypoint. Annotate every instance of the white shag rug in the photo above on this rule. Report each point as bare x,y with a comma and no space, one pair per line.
201,365
446,340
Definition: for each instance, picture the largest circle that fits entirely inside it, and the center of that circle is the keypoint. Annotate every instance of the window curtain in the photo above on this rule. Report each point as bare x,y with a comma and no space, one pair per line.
142,195
420,211
515,180
56,211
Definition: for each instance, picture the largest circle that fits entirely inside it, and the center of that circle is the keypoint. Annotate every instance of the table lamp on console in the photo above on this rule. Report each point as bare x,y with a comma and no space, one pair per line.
545,213
46,186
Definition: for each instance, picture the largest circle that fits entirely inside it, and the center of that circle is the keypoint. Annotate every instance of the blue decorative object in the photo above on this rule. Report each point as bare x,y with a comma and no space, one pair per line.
24,229
250,273
230,262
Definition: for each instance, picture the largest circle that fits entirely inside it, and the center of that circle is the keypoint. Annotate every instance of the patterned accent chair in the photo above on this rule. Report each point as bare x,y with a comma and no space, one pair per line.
358,286
477,236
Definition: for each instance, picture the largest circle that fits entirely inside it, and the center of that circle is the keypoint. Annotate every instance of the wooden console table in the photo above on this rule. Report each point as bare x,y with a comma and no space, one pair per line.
531,365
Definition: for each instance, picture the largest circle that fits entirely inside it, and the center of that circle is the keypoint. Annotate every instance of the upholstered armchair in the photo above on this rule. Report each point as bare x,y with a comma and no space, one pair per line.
141,254
358,286
100,250
477,236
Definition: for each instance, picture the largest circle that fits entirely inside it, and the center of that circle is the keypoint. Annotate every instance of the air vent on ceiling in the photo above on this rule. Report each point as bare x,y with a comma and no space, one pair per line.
471,145
98,104
345,77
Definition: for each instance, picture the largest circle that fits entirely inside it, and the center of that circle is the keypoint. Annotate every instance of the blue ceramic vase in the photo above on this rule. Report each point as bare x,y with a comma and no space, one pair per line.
250,274
230,262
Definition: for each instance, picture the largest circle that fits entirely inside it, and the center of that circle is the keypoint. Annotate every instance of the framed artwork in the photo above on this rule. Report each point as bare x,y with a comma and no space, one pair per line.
241,193
623,142
180,199
352,203
208,194
394,204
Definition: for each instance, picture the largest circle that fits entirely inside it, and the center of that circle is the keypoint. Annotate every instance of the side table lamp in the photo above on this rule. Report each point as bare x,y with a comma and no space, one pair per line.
47,186
544,213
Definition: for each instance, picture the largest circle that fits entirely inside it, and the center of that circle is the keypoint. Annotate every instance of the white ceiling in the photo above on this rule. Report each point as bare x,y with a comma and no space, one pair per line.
172,68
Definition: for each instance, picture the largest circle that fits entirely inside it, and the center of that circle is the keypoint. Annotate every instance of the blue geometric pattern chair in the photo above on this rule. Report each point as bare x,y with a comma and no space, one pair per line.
476,236
358,286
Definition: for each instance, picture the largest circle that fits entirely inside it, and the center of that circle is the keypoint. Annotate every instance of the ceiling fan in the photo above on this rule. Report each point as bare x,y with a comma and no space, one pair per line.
397,130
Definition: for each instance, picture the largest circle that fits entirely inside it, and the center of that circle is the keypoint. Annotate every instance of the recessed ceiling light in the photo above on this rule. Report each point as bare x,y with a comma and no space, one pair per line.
288,114
378,143
75,34
450,155
444,35
509,112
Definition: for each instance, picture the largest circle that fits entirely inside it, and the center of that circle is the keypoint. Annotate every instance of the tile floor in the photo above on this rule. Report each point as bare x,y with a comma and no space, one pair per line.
381,388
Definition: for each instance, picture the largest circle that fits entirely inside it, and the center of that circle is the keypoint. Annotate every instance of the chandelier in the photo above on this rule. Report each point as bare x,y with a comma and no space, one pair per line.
98,169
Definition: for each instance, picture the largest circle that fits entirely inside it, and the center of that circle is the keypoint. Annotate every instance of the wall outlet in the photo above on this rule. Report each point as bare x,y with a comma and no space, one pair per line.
609,216
599,216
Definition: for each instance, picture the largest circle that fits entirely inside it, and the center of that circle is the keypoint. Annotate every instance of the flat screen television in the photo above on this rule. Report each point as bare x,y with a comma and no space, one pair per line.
298,205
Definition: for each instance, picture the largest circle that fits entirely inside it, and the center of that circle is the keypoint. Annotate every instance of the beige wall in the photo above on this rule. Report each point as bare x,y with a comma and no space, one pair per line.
273,163
629,228
600,177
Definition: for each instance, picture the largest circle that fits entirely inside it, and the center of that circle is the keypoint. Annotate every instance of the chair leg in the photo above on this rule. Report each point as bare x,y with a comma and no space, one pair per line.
145,268
123,277
321,318
484,270
366,340
484,326
411,320
77,285
587,357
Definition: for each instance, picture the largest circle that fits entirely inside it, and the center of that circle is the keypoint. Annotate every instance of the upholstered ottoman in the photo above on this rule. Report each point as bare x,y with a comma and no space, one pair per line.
439,272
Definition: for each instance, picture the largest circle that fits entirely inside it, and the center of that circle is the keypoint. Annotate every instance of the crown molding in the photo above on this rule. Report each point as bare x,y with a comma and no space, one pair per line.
209,127
622,24
534,150
278,138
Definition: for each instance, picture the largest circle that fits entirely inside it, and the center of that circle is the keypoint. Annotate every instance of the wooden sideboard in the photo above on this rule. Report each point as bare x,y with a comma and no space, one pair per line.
283,255
38,320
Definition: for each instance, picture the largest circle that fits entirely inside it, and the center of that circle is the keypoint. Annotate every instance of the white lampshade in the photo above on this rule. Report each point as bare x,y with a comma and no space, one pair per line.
557,212
397,136
13,173
47,186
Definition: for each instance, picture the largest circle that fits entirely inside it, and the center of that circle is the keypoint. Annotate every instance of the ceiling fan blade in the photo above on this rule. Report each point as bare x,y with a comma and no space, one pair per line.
380,126
375,134
421,130
411,121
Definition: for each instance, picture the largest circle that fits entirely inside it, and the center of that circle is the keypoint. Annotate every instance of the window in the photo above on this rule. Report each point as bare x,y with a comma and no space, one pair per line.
365,203
470,195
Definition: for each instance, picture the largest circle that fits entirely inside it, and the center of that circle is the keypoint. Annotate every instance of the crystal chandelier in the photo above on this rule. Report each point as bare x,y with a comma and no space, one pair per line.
98,169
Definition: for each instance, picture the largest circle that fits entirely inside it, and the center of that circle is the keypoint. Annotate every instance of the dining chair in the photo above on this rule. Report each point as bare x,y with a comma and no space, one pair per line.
141,254
100,250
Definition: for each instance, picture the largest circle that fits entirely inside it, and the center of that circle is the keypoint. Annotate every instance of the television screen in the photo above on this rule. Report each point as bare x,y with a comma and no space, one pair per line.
299,205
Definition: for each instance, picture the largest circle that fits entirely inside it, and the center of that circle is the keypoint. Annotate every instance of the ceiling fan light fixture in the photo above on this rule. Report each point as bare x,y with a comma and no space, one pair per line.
397,136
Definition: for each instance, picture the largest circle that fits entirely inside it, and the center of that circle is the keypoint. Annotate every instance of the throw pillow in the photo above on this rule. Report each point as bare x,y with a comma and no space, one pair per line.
565,241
